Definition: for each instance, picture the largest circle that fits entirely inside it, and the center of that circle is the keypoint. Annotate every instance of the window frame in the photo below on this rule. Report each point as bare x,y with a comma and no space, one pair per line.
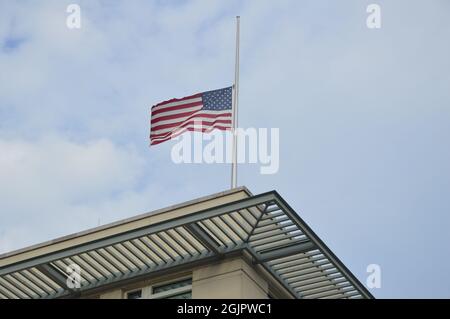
147,291
134,291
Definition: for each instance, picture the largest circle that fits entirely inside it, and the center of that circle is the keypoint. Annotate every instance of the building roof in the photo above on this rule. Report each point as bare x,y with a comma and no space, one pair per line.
263,226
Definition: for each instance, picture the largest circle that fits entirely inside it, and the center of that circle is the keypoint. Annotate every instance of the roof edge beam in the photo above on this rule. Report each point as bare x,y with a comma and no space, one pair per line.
204,238
277,253
55,275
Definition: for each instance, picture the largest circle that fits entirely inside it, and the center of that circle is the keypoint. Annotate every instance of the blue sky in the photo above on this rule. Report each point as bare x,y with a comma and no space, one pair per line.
364,118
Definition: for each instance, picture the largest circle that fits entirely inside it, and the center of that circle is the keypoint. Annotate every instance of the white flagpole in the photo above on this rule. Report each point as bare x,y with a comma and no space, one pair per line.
235,108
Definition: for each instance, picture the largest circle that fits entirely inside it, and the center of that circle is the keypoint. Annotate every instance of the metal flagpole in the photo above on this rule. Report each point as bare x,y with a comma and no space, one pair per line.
235,109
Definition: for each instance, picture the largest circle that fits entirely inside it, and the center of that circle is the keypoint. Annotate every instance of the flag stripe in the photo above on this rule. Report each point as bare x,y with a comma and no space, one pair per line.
192,128
173,116
203,124
196,108
175,102
189,129
177,107
201,116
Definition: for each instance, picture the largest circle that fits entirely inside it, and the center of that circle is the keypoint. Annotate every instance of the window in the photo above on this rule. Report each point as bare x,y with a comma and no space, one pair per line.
180,289
137,294
175,290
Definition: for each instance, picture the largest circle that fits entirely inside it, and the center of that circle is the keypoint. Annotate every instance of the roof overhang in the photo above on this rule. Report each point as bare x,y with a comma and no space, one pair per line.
264,226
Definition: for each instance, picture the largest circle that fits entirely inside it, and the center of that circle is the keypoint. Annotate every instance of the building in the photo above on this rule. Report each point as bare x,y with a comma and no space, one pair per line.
228,245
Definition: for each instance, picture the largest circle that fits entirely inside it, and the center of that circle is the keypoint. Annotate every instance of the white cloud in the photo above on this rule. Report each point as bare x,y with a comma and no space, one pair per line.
54,181
60,167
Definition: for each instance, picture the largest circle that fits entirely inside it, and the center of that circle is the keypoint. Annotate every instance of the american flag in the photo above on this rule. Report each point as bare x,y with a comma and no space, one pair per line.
212,110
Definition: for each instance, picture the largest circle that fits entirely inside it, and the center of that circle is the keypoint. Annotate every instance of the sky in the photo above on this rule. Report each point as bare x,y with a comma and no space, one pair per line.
363,116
